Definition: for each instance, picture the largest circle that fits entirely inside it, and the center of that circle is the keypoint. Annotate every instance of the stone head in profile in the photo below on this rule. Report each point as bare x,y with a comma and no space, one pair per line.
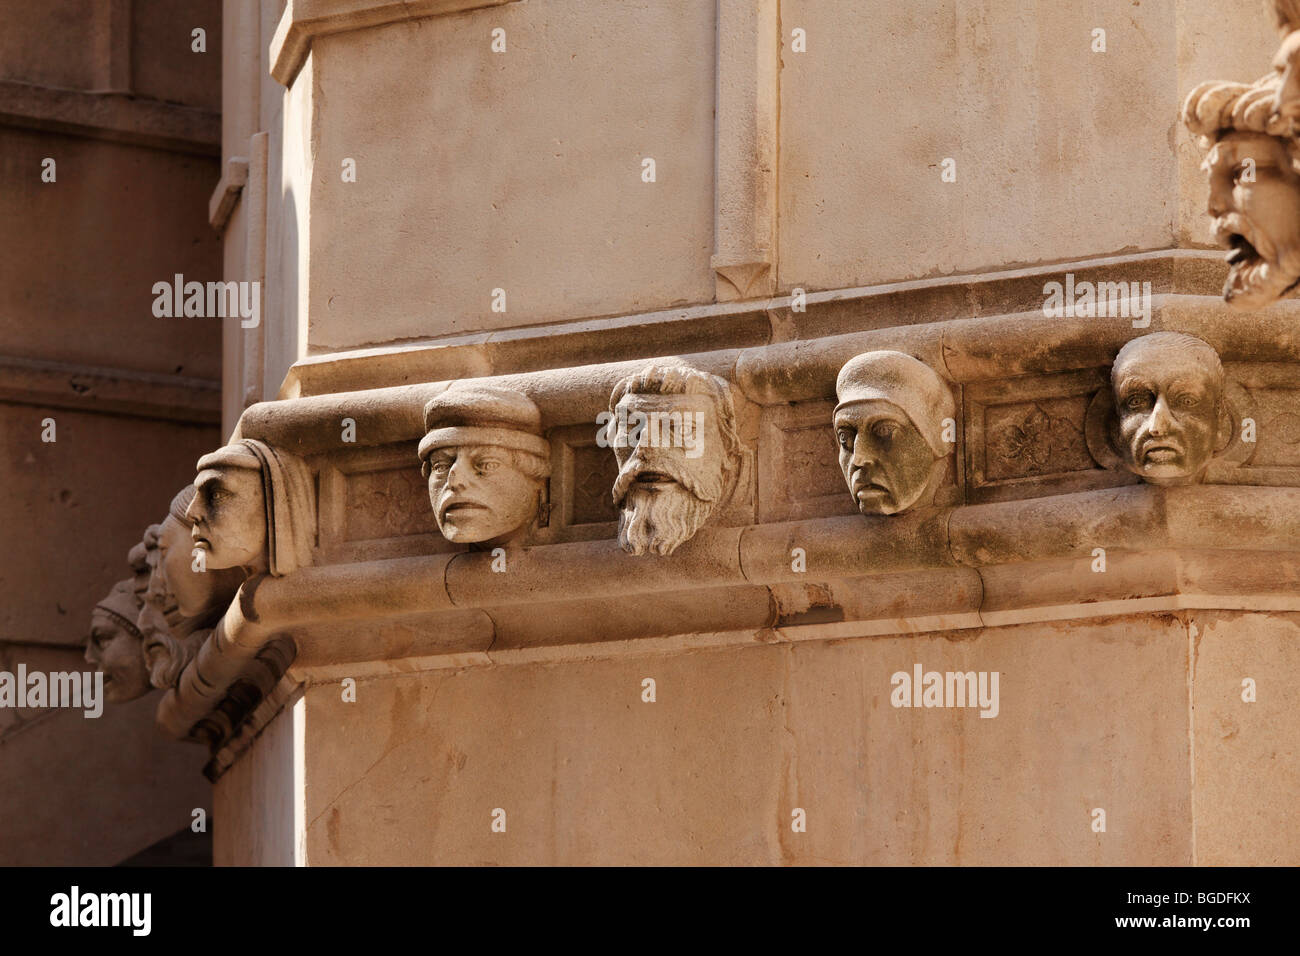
889,428
184,597
673,431
1170,407
486,463
253,508
1254,194
114,645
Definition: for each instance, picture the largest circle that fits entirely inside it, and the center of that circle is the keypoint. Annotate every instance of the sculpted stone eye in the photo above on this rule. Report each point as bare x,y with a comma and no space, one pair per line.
885,429
489,466
846,438
1188,401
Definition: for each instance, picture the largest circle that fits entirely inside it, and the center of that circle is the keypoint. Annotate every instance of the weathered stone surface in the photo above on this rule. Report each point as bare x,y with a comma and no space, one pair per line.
627,606
587,772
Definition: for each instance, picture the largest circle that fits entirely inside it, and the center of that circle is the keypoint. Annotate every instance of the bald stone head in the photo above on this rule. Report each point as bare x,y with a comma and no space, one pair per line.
1169,392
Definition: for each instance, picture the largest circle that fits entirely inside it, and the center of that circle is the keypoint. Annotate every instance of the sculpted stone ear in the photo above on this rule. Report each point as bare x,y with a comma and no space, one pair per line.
1226,425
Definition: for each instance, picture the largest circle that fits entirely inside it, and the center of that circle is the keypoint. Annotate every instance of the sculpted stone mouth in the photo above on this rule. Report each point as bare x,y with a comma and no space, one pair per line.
462,505
653,478
1242,251
1253,280
1160,453
864,486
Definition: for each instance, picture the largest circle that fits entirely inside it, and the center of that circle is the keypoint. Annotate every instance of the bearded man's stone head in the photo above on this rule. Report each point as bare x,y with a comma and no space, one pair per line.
673,431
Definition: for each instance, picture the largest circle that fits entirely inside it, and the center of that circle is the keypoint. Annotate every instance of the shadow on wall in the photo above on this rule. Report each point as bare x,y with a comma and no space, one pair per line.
184,848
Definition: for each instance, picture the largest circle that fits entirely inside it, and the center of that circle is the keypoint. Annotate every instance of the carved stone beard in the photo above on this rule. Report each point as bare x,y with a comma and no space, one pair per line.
167,650
660,520
658,517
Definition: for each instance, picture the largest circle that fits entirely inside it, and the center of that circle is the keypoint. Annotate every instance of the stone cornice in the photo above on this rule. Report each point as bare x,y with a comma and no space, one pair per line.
120,391
763,321
976,565
1013,538
304,20
117,117
964,350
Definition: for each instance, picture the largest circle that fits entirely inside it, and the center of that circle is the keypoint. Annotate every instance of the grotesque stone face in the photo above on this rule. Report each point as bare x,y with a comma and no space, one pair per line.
674,467
479,493
115,650
1260,220
885,459
1286,64
229,516
1169,402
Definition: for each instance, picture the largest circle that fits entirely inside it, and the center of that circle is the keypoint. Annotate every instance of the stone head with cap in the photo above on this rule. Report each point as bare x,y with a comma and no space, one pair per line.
254,508
486,462
1171,411
114,645
889,427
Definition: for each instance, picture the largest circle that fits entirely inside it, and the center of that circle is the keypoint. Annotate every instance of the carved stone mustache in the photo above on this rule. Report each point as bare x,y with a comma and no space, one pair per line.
666,466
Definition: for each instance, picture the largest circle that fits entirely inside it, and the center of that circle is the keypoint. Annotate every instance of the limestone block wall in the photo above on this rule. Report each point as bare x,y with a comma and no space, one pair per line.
456,192
517,172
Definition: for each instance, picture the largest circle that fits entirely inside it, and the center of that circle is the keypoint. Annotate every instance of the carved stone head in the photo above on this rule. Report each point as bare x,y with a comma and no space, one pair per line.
485,461
114,644
181,602
1254,197
253,508
673,431
1170,407
1286,66
889,427
176,587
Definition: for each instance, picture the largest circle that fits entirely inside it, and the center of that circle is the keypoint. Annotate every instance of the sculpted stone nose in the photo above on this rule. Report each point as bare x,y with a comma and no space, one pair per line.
1220,200
862,451
1161,421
